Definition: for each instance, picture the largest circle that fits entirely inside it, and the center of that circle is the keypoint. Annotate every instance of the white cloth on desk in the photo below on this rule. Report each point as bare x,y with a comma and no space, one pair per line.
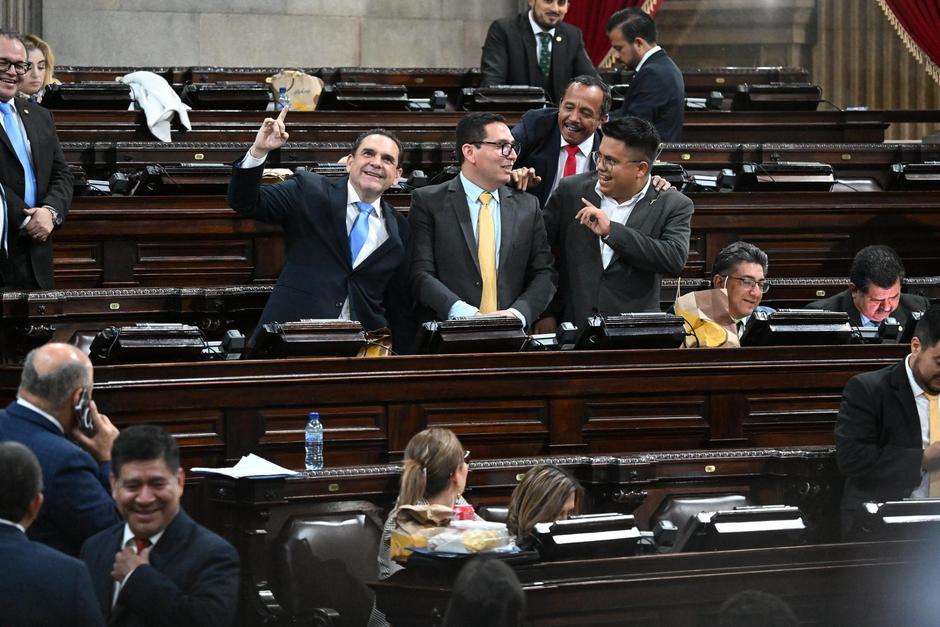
158,100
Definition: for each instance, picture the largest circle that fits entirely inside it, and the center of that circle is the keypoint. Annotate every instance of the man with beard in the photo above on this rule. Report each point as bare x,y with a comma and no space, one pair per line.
535,48
888,428
480,246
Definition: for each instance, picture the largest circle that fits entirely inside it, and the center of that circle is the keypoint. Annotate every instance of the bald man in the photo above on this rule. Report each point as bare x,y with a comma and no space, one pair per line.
54,393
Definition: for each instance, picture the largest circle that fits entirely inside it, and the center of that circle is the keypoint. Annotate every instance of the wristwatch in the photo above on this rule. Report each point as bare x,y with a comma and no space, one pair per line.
56,217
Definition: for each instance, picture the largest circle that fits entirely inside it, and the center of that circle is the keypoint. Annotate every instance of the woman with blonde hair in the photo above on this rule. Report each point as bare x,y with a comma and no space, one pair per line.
433,477
39,54
546,494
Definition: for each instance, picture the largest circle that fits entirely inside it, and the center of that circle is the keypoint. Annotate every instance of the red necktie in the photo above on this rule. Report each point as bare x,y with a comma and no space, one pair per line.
141,544
571,163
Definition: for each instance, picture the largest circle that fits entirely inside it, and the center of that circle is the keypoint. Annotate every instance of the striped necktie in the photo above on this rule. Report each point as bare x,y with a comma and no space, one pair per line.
486,251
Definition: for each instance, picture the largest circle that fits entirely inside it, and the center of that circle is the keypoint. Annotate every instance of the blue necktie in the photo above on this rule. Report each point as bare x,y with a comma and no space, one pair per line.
12,125
360,230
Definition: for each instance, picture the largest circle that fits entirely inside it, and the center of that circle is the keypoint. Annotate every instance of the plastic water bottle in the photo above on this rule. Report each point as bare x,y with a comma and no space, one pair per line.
313,443
282,99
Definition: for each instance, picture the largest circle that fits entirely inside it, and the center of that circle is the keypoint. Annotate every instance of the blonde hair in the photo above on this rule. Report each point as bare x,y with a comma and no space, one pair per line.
540,497
431,459
35,43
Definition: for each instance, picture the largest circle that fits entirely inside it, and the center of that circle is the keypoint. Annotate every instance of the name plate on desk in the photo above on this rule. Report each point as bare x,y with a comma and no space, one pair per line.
478,334
337,338
632,330
143,343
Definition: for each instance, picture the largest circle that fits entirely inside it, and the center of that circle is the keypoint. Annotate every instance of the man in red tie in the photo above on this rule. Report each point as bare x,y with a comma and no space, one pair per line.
159,567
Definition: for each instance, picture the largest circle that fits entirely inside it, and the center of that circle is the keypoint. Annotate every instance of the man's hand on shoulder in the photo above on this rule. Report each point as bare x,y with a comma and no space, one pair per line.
271,136
99,445
660,184
524,178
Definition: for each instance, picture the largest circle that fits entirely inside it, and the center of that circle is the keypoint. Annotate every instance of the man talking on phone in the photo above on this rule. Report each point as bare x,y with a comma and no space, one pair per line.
53,415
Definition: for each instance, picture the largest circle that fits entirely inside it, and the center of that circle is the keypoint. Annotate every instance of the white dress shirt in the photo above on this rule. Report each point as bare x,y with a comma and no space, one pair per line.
617,212
646,56
923,414
536,29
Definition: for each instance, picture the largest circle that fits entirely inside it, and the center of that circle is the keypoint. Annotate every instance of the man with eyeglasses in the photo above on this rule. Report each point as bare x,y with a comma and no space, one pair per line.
34,178
480,246
738,285
874,292
614,233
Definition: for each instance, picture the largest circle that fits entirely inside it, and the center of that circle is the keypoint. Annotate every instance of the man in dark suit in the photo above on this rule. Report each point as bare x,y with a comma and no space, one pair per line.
38,585
535,48
888,427
160,567
346,249
874,291
35,182
657,91
480,246
54,395
615,235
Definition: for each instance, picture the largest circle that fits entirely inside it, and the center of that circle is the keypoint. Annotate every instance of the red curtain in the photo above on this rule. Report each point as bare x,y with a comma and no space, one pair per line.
918,24
591,17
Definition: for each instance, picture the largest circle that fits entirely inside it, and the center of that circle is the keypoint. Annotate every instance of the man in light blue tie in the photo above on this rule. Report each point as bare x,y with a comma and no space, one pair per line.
37,184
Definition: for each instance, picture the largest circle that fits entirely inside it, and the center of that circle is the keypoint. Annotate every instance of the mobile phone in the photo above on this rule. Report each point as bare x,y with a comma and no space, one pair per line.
83,413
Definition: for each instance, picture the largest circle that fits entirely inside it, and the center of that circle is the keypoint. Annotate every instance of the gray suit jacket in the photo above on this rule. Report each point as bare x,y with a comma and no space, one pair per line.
654,242
446,267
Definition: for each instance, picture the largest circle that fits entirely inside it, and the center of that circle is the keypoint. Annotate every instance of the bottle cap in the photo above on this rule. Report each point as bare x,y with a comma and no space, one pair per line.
314,415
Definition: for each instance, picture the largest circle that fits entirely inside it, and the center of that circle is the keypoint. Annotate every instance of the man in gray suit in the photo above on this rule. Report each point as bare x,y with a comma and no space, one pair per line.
479,246
614,233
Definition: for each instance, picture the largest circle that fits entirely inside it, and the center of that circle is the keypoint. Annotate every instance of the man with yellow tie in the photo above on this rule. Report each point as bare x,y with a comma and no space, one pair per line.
888,428
479,246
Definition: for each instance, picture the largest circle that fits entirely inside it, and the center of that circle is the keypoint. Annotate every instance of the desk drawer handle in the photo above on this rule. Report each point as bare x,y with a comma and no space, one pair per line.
333,487
710,468
520,476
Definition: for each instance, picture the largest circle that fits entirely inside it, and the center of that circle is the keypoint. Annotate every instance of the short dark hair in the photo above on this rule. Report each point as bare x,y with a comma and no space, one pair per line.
487,592
928,327
636,133
633,23
55,386
20,480
592,81
142,443
753,607
471,129
876,264
738,252
384,133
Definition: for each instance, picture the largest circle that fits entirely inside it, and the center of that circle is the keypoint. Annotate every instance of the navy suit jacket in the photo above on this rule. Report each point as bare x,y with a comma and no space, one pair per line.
657,94
510,56
843,302
53,188
318,275
78,502
192,579
540,137
40,586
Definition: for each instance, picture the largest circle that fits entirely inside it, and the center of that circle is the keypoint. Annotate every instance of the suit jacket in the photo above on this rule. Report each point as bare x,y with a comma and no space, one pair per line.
53,188
40,586
446,265
654,242
510,56
318,275
78,501
843,302
878,440
540,137
657,94
192,579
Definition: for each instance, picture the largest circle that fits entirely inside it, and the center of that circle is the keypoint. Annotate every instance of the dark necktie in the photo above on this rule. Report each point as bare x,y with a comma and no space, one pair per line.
545,53
360,230
12,125
571,163
740,327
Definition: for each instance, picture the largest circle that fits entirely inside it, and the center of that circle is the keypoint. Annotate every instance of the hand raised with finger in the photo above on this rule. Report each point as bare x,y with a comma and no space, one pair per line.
271,136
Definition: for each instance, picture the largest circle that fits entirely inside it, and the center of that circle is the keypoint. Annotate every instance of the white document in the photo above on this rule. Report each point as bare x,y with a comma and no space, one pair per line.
251,466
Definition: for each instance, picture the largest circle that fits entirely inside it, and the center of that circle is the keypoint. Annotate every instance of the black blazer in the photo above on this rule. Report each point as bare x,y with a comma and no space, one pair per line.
318,275
192,579
878,440
540,137
53,188
446,265
657,94
510,56
40,586
654,242
843,302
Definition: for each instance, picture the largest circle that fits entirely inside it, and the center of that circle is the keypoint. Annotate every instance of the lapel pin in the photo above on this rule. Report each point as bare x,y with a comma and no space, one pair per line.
558,39
25,111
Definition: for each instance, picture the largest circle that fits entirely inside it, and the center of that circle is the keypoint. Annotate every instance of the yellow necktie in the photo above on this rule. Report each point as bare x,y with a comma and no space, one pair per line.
933,418
486,250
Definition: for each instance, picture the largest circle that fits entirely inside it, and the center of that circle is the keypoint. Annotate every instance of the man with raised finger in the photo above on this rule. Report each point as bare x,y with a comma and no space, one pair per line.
346,250
616,236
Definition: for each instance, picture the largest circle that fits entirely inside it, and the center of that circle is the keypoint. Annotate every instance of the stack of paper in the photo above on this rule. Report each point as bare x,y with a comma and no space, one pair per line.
251,466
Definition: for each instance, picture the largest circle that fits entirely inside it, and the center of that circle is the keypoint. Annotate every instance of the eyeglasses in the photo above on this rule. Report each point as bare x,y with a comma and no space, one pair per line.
20,67
599,159
748,283
505,148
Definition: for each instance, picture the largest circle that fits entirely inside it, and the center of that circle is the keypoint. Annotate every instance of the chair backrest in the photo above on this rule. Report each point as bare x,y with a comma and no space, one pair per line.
323,558
493,513
678,508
